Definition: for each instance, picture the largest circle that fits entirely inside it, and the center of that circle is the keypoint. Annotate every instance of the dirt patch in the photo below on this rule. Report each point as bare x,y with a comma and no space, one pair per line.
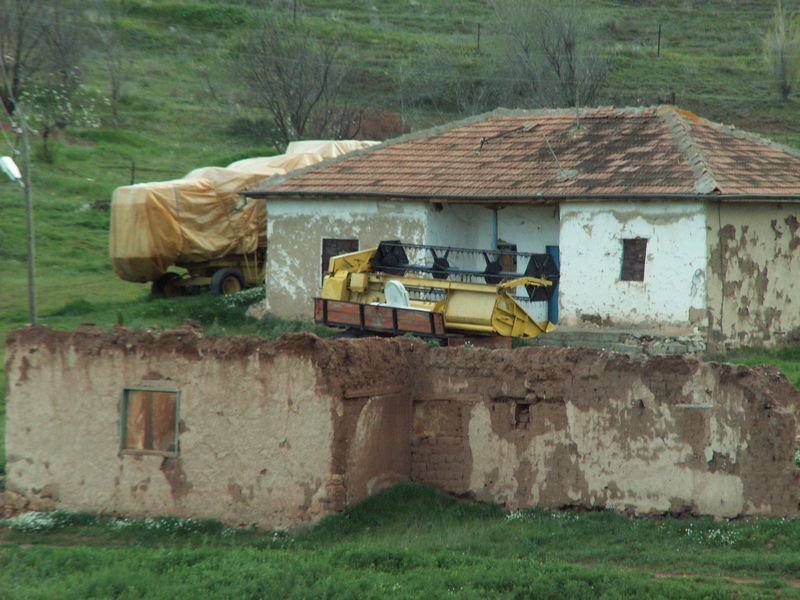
752,581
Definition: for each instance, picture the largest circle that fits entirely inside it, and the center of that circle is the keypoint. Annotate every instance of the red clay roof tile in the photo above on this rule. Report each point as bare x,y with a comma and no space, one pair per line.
640,151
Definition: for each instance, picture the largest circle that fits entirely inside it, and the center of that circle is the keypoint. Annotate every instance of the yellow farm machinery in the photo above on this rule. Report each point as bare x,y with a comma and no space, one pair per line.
436,291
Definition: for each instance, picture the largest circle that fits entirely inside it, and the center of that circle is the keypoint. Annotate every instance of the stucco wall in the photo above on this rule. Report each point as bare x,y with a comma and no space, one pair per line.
753,282
295,230
531,228
673,290
267,437
279,433
571,427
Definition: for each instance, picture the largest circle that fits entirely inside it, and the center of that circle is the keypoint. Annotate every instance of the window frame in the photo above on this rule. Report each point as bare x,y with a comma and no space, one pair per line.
123,422
631,274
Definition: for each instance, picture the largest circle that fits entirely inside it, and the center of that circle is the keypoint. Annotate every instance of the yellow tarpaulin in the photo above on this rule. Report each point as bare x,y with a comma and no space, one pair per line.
201,217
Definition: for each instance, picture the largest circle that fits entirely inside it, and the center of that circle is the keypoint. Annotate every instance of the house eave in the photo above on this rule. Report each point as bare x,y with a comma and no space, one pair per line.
526,199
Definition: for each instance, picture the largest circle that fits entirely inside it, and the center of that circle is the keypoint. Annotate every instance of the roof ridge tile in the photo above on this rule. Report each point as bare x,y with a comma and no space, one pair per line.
677,123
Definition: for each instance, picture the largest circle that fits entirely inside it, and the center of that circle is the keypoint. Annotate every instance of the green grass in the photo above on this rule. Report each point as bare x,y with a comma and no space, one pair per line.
408,542
787,359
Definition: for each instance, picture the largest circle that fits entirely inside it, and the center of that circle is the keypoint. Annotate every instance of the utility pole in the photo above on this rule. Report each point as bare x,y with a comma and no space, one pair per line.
26,190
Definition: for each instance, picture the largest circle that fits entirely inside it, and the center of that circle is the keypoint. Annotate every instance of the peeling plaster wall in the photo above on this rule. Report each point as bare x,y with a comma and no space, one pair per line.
279,433
571,427
267,436
753,284
531,228
296,228
673,290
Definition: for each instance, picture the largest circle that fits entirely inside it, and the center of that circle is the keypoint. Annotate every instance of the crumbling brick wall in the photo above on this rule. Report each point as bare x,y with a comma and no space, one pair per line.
595,429
271,433
440,449
279,433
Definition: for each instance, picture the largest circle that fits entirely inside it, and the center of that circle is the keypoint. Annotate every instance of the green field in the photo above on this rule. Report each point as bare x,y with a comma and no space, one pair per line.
182,108
409,542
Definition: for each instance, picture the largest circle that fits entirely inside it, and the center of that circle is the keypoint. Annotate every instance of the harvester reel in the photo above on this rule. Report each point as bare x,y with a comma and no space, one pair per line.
440,265
493,267
391,258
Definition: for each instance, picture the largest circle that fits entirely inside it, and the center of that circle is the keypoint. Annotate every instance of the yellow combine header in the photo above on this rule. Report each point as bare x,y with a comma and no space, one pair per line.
380,290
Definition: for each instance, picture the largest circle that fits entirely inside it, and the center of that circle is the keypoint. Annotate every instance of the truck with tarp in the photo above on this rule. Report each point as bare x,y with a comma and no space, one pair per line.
196,232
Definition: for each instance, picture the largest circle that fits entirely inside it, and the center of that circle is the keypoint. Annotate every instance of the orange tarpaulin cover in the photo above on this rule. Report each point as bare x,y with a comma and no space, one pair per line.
201,217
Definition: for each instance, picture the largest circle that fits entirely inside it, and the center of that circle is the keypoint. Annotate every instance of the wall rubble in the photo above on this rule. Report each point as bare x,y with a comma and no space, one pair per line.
280,433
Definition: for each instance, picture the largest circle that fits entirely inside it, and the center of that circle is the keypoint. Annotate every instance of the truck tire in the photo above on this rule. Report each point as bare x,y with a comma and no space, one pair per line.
166,286
227,281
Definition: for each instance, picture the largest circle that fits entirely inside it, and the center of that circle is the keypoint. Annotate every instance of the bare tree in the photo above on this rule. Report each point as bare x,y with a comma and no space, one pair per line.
549,51
22,48
782,50
42,69
447,80
300,81
104,17
64,45
55,97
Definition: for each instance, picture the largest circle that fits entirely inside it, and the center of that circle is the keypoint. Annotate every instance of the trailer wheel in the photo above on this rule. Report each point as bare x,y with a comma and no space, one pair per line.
227,281
166,286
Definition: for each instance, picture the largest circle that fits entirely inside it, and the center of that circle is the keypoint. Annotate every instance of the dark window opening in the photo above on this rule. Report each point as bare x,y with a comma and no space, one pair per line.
634,256
149,421
522,415
334,247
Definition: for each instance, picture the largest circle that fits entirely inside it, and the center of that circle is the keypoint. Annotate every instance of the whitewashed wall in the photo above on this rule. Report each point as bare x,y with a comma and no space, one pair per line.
296,228
531,228
753,281
674,288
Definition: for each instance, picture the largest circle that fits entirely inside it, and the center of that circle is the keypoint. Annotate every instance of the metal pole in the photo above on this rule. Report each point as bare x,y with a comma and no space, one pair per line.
26,177
658,49
552,301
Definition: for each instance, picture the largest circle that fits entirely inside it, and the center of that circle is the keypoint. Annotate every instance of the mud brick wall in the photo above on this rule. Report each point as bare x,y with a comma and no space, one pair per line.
576,427
440,449
280,433
271,433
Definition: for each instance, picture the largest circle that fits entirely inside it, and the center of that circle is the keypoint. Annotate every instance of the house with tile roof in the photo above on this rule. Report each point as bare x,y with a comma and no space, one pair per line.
660,218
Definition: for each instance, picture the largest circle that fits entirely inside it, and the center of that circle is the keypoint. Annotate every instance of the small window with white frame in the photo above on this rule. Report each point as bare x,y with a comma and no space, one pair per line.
149,421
